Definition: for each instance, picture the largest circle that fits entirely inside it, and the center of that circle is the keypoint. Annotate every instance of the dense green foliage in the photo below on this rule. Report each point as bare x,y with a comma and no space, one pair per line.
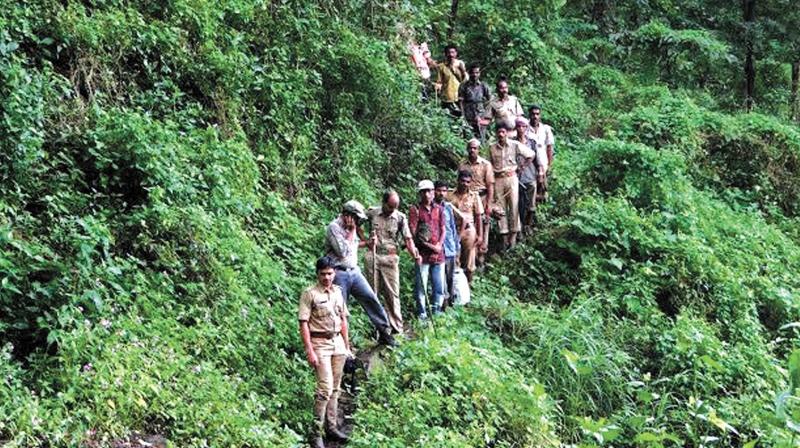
166,169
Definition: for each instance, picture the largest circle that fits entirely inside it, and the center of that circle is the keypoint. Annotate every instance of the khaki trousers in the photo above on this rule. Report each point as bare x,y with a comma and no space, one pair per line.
487,225
506,193
468,249
388,286
330,368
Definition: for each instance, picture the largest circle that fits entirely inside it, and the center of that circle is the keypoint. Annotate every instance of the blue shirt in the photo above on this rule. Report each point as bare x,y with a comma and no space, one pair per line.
452,241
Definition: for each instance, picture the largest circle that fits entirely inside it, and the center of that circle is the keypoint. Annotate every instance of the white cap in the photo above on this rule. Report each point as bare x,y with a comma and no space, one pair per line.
425,184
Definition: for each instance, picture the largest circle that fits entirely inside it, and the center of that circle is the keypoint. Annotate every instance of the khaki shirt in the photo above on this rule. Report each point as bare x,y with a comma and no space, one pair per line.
505,111
324,309
468,204
391,230
482,173
504,158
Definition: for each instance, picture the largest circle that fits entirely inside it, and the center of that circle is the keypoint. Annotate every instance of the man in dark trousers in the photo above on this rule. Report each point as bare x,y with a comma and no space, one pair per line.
450,73
473,96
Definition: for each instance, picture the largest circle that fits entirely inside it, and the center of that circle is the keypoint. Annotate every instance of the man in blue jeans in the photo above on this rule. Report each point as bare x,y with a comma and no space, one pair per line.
426,220
343,237
452,240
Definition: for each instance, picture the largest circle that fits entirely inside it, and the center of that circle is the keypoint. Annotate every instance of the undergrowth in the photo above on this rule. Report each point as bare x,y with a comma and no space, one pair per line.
166,171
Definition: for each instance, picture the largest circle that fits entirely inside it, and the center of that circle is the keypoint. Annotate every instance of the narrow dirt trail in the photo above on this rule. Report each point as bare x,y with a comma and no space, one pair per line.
350,388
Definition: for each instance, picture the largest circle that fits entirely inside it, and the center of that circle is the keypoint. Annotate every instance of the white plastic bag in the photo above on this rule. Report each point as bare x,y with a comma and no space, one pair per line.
461,287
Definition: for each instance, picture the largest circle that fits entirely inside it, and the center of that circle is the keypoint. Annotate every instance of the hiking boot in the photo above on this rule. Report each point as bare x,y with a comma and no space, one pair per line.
336,435
386,338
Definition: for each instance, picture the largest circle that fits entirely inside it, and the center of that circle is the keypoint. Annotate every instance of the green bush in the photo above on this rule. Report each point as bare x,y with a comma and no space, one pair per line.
167,171
443,390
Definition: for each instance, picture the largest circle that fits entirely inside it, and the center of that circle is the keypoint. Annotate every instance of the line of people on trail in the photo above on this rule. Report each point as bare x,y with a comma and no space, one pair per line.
446,231
521,168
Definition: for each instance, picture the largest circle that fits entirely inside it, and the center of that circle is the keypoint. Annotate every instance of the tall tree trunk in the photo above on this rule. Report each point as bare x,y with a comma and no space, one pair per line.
749,9
451,23
793,106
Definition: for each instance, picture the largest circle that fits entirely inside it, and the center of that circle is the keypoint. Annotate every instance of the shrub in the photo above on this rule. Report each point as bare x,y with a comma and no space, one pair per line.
443,390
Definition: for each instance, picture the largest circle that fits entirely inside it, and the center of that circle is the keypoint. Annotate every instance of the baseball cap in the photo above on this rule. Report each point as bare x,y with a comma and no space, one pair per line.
425,185
355,208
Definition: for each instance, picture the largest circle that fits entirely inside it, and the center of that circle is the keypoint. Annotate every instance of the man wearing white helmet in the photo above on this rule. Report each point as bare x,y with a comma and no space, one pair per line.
343,237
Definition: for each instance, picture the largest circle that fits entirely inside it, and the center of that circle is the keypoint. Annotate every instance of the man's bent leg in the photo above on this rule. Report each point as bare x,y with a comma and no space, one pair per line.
487,225
342,280
366,297
468,251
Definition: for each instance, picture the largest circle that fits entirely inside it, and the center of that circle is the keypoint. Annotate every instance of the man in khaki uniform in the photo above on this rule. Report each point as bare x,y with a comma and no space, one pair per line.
483,184
503,156
323,328
505,108
389,230
471,211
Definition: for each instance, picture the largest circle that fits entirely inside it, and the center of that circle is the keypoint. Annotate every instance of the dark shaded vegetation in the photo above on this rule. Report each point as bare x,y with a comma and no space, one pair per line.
166,170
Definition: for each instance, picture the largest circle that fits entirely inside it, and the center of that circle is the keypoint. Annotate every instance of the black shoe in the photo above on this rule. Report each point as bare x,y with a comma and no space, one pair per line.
336,435
316,442
386,338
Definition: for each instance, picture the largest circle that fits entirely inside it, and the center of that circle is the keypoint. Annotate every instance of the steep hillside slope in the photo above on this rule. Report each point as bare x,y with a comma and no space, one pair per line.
166,171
